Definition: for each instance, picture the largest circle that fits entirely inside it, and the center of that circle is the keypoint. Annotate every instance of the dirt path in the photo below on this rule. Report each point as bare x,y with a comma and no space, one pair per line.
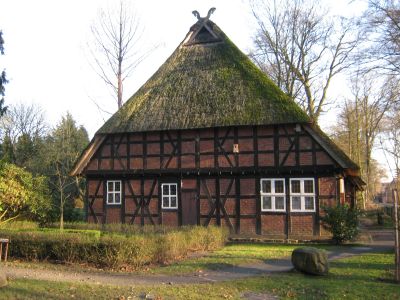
125,279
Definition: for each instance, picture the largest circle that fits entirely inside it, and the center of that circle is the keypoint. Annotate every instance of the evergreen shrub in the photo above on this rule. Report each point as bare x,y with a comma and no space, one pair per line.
342,222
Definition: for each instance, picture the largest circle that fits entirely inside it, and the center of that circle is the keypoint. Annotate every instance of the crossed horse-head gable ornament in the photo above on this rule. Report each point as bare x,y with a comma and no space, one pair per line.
197,14
196,29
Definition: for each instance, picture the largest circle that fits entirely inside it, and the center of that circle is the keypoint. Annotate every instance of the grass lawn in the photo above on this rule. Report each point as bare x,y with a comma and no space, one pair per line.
232,255
359,277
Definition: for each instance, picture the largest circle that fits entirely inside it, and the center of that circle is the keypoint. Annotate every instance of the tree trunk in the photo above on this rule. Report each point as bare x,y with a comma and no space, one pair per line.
61,209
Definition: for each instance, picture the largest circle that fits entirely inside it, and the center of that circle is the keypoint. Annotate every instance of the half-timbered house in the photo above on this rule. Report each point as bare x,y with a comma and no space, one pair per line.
210,139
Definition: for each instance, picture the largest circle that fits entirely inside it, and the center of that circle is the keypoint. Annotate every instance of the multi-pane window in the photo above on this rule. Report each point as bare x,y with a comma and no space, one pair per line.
169,195
114,192
302,194
273,195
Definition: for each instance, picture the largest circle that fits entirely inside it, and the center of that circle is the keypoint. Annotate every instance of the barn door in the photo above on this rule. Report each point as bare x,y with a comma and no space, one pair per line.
189,207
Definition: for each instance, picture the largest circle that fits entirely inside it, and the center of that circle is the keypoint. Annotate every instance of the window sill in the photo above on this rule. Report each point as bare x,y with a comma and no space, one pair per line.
302,211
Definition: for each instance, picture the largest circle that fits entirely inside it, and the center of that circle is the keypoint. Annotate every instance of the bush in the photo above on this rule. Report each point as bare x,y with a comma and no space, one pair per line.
112,250
342,222
127,229
20,225
23,195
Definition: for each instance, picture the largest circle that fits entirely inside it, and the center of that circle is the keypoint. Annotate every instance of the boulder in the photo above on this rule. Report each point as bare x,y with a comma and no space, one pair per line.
3,279
310,260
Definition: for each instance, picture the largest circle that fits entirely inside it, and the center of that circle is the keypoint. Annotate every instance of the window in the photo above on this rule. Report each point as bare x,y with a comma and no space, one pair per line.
114,191
273,195
302,194
169,195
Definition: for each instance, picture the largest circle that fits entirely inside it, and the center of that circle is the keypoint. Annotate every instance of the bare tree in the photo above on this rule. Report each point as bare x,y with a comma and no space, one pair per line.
381,23
361,122
301,49
21,130
64,147
23,119
115,49
390,140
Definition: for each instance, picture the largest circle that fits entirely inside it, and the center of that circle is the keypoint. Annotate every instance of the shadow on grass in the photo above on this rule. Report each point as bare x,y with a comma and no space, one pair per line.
11,292
360,266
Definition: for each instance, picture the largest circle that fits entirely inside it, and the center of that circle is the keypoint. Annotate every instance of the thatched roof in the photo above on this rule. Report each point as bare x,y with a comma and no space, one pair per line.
206,82
329,146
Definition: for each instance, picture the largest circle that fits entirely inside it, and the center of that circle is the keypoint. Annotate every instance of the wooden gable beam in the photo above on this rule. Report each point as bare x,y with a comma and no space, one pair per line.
87,155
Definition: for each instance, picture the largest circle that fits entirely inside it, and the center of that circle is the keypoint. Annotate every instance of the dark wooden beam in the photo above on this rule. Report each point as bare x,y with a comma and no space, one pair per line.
236,141
144,150
255,146
316,230
142,201
276,146
122,201
86,203
258,205
104,201
287,199
237,204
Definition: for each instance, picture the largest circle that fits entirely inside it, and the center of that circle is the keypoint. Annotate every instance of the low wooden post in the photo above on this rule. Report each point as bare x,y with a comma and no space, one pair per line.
396,233
5,242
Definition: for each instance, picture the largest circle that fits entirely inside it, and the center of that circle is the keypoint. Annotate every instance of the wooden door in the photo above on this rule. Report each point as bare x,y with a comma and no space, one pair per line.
189,207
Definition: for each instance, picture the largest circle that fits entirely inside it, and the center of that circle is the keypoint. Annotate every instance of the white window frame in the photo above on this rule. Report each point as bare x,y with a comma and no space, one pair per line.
302,195
273,194
114,192
169,196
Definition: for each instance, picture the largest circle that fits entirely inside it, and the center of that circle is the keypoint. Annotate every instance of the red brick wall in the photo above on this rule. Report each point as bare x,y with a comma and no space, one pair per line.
246,142
265,144
273,224
306,158
189,183
248,226
114,214
188,162
169,218
327,186
246,160
266,159
301,224
247,206
247,186
323,159
204,206
230,206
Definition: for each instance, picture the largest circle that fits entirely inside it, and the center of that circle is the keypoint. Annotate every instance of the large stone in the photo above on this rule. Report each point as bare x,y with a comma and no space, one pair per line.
310,260
3,279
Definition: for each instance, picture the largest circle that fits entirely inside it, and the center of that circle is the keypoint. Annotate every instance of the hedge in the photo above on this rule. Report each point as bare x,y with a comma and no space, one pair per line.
112,250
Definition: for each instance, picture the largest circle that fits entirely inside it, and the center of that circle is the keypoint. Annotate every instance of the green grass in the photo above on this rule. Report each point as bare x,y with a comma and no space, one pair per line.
361,277
232,255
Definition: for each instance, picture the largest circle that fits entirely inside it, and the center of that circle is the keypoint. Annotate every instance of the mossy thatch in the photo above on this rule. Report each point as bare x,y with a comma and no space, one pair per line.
205,84
337,154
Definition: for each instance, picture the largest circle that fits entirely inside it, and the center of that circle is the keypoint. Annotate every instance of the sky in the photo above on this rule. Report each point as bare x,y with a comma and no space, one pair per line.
47,61
47,58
